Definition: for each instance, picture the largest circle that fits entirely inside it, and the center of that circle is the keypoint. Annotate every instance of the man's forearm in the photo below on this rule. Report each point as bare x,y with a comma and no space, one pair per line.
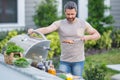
90,37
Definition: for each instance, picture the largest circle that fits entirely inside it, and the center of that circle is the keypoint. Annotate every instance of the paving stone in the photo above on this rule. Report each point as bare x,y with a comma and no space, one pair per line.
114,67
116,77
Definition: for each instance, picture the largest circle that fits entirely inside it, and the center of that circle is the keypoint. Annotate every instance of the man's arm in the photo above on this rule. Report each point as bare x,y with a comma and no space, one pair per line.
46,30
54,26
93,34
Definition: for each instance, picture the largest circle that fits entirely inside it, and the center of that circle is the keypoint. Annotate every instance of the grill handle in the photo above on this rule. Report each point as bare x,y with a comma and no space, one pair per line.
34,31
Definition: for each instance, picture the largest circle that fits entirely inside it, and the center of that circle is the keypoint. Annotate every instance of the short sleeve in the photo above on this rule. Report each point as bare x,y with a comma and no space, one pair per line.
89,28
55,24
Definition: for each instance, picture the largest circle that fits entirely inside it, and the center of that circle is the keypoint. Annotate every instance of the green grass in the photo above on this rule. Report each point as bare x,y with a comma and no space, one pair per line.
109,57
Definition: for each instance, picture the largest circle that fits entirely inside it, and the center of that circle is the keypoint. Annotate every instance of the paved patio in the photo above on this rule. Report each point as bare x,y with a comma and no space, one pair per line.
115,67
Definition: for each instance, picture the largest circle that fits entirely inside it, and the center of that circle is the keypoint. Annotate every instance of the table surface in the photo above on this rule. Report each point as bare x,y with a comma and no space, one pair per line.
10,72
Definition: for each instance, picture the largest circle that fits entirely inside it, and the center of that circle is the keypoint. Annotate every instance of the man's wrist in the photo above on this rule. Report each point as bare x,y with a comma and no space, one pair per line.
86,37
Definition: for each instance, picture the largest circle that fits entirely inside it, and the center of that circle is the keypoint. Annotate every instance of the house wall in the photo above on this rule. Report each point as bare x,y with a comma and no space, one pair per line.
30,7
20,18
83,9
115,12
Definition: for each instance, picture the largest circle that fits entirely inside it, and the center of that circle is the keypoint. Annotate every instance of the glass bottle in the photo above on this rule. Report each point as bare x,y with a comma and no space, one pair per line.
51,68
40,64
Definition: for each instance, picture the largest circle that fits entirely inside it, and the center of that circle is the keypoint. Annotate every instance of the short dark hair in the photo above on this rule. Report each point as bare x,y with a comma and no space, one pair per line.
70,5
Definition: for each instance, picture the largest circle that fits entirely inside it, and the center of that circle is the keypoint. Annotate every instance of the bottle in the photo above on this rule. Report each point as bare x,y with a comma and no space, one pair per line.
35,61
46,65
51,68
40,64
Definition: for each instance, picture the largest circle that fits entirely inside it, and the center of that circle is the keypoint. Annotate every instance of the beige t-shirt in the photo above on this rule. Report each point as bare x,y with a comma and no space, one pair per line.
71,31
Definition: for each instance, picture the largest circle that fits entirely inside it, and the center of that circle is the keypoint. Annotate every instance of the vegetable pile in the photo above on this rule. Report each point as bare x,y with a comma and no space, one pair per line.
21,62
12,47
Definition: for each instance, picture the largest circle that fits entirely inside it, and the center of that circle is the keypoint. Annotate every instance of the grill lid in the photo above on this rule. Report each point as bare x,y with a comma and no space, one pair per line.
33,47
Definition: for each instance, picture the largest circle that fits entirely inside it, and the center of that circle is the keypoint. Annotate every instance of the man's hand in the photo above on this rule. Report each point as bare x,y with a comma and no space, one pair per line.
69,41
84,38
30,31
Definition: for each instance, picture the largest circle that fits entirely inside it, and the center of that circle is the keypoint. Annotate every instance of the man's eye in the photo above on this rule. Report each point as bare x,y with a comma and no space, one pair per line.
68,14
72,14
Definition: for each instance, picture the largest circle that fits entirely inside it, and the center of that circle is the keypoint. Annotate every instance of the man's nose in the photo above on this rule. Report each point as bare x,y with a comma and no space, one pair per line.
70,16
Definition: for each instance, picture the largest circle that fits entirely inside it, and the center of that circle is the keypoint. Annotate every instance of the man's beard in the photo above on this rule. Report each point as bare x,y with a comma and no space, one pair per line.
70,19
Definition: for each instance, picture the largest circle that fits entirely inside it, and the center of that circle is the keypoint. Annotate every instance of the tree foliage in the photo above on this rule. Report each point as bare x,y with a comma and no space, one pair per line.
97,17
46,13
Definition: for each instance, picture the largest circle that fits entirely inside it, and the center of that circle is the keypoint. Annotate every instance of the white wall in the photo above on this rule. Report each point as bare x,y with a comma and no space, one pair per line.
59,7
107,3
83,9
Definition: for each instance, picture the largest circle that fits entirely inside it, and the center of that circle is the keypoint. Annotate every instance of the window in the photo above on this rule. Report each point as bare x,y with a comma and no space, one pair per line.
8,11
12,13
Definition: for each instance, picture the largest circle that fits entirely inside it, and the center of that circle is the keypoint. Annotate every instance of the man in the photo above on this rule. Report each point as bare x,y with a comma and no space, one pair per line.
72,36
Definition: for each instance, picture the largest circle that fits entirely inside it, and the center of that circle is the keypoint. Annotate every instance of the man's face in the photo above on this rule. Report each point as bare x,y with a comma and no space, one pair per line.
70,14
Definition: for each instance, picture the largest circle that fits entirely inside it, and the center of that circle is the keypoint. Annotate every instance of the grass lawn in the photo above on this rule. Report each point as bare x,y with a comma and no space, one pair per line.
109,57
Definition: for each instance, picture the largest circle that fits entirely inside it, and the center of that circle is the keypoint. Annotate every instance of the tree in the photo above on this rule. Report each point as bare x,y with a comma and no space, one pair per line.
96,10
46,13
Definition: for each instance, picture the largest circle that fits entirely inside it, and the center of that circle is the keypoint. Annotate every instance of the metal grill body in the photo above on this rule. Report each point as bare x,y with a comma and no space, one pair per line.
33,47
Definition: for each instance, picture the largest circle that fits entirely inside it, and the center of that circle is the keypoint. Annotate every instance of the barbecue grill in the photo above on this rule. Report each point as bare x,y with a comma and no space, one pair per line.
33,46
